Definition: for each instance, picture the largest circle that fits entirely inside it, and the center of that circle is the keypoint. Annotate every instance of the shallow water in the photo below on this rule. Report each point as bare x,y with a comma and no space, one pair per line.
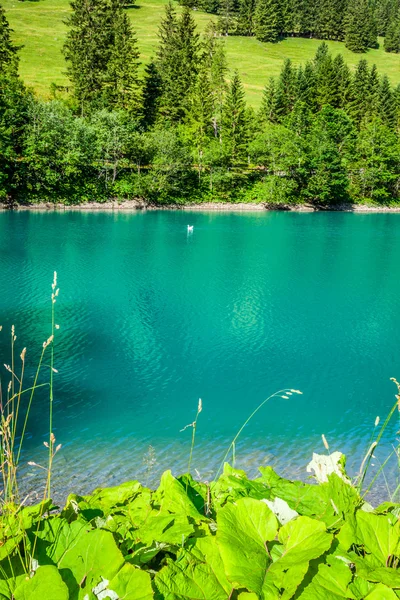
151,319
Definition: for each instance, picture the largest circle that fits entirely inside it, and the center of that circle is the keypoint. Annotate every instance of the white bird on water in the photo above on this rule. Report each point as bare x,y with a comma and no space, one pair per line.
190,228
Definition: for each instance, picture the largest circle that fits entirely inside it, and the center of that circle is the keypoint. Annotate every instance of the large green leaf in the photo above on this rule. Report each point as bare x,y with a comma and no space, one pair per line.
330,502
131,584
379,534
381,592
304,539
189,579
330,583
164,527
94,557
171,496
45,584
54,537
233,485
244,529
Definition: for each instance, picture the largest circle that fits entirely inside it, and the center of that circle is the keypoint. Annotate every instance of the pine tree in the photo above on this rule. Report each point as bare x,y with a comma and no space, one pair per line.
392,37
151,93
14,103
177,62
245,25
8,51
268,104
386,103
122,90
326,88
373,92
306,86
235,126
358,105
286,91
359,26
200,114
101,54
329,19
228,16
268,20
214,60
343,82
87,48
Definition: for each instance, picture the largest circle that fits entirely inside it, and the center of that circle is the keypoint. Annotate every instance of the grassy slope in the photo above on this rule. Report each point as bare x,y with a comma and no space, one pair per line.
38,25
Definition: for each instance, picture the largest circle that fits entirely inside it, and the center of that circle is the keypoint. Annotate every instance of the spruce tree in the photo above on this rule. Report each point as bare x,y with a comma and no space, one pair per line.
177,62
268,20
101,54
386,103
359,26
151,93
360,92
235,125
306,86
245,23
214,60
122,90
8,51
329,19
286,91
268,104
373,92
200,114
392,37
343,82
326,88
228,16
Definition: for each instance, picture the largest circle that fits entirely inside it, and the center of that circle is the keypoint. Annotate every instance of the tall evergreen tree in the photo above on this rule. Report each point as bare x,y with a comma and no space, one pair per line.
152,88
343,80
228,16
392,37
386,103
235,125
14,103
214,60
329,19
360,93
177,62
359,26
8,51
101,54
268,104
268,20
286,91
245,23
122,90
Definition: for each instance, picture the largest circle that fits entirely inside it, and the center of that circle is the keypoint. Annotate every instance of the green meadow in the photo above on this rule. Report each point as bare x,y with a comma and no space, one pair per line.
39,27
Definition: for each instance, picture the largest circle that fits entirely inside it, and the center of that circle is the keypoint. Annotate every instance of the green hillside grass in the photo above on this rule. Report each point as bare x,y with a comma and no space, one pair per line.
38,26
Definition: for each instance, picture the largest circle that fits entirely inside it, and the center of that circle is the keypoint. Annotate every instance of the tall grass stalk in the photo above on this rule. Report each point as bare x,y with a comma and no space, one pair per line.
285,393
193,426
13,432
366,462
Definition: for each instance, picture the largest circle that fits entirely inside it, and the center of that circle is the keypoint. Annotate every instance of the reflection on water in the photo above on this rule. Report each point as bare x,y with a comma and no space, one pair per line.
151,320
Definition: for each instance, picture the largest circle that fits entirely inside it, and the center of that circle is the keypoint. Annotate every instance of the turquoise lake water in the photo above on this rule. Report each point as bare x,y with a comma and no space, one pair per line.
151,319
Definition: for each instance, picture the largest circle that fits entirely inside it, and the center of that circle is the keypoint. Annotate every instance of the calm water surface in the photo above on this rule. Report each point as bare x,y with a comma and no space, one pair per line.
151,320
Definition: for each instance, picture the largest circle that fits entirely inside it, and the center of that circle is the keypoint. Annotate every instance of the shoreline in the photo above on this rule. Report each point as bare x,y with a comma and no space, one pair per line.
135,205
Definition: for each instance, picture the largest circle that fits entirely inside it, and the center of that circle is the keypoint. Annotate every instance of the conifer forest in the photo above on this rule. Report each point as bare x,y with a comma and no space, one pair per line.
178,129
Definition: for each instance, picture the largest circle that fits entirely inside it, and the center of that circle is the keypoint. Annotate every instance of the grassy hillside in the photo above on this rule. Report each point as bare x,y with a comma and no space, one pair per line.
39,27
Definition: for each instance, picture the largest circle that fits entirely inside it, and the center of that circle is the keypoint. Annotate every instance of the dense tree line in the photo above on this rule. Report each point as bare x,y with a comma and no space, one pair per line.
356,22
183,131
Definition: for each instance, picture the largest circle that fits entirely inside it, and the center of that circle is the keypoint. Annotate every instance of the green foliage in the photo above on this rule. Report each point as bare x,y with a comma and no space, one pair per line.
101,55
265,539
267,20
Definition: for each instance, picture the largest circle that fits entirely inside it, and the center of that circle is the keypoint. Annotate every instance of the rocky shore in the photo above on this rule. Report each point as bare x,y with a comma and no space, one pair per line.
133,205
